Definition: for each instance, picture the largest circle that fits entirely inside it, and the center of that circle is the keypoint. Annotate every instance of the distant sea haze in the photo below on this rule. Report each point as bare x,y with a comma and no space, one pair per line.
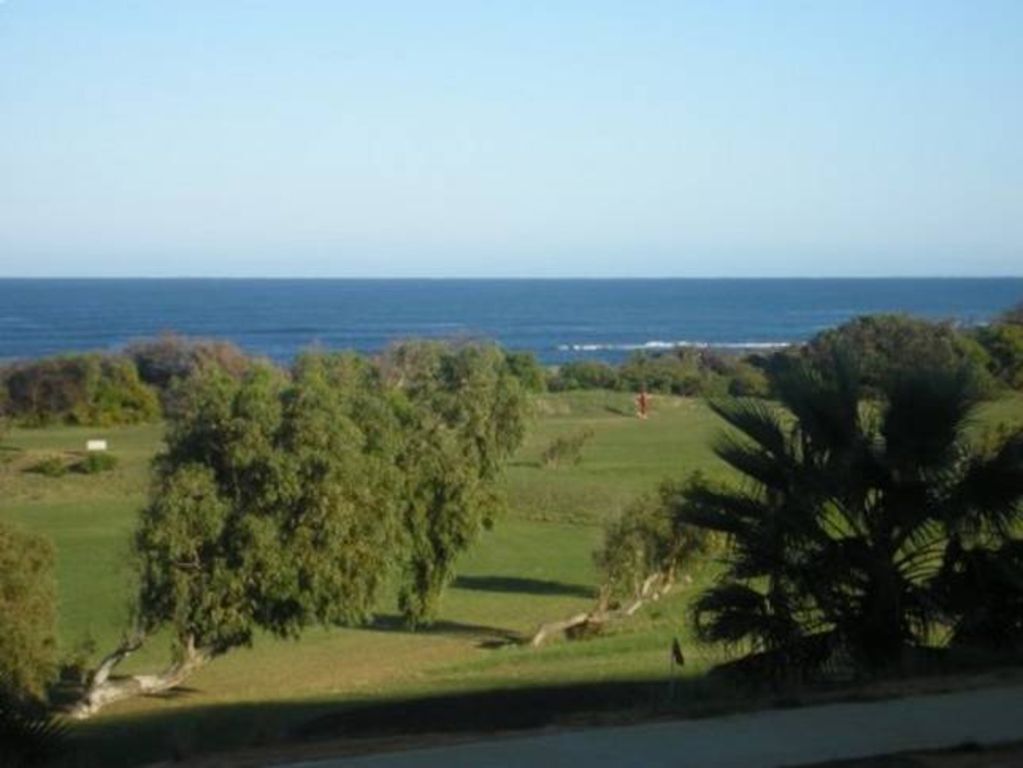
558,320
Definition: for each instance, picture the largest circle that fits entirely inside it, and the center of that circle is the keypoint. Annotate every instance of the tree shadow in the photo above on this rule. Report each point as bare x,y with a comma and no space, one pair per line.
526,464
521,585
292,731
489,637
630,412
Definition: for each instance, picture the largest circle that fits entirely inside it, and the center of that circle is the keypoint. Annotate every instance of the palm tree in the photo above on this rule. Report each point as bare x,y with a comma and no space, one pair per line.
847,512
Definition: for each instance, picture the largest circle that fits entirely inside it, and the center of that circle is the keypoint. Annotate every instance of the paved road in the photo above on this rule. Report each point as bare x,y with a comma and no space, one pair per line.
784,737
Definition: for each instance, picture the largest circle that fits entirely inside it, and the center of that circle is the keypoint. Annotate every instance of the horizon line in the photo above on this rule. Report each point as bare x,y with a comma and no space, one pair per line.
506,278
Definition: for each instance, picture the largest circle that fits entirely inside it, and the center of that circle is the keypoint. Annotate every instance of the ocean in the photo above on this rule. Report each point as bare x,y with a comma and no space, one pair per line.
558,320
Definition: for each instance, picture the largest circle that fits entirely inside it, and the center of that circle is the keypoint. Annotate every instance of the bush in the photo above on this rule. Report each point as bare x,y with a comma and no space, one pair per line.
583,374
95,463
1004,345
51,466
888,347
81,389
566,449
170,359
650,537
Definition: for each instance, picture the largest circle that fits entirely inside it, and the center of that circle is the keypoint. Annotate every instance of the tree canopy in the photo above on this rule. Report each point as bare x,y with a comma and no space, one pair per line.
853,505
285,500
28,615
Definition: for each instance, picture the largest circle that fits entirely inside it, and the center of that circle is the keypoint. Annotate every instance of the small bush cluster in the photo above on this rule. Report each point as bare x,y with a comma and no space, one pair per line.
95,463
566,449
51,466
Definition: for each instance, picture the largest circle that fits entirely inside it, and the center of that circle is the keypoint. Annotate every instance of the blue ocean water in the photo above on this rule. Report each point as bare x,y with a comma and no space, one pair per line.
557,319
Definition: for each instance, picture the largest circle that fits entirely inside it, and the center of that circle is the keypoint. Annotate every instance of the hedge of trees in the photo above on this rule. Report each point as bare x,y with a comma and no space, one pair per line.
684,371
884,344
140,383
136,385
77,389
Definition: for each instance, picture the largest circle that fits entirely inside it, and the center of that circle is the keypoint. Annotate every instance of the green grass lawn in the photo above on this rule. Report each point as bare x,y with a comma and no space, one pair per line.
535,566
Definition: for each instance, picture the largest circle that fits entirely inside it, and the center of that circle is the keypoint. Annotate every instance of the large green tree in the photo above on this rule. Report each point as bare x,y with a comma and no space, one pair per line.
285,500
851,507
893,346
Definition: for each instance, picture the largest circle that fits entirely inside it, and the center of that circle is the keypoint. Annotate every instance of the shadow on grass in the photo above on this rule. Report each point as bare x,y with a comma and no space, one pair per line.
352,727
523,586
486,634
630,412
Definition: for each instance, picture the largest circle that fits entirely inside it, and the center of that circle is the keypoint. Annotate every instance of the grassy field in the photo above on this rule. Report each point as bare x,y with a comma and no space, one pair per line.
534,566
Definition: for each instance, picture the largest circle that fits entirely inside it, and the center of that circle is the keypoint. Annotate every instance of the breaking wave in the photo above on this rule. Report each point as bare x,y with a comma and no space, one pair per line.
659,345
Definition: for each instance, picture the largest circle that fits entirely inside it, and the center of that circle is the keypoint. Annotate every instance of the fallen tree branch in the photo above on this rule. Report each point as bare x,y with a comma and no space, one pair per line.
654,587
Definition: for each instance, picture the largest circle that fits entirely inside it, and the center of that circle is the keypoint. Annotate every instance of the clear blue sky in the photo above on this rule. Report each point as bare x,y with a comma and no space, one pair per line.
301,138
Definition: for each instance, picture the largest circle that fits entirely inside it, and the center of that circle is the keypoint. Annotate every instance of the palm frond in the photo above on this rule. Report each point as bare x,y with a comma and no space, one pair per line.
29,733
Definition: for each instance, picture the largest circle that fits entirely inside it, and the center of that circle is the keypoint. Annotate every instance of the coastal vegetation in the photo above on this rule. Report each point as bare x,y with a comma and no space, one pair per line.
139,383
368,532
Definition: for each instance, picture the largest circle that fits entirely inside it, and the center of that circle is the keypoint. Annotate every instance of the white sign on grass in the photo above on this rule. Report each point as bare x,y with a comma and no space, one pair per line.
95,445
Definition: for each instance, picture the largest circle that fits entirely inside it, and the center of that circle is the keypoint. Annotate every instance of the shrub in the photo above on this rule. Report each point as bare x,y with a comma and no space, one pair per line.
80,389
171,358
888,347
566,449
96,462
651,537
583,374
748,381
1004,345
51,466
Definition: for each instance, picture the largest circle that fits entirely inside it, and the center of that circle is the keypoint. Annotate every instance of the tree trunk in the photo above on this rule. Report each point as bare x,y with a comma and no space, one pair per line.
654,587
102,691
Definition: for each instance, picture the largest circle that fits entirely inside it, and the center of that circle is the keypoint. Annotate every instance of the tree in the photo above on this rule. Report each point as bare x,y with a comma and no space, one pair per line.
461,413
584,374
28,615
887,346
29,733
1004,345
164,362
525,367
643,551
285,501
272,509
849,508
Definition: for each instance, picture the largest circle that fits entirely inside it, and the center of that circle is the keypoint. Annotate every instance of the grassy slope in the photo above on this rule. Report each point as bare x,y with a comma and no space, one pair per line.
534,566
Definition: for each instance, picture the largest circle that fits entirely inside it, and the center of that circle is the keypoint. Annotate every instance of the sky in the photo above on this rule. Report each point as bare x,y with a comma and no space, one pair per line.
511,139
